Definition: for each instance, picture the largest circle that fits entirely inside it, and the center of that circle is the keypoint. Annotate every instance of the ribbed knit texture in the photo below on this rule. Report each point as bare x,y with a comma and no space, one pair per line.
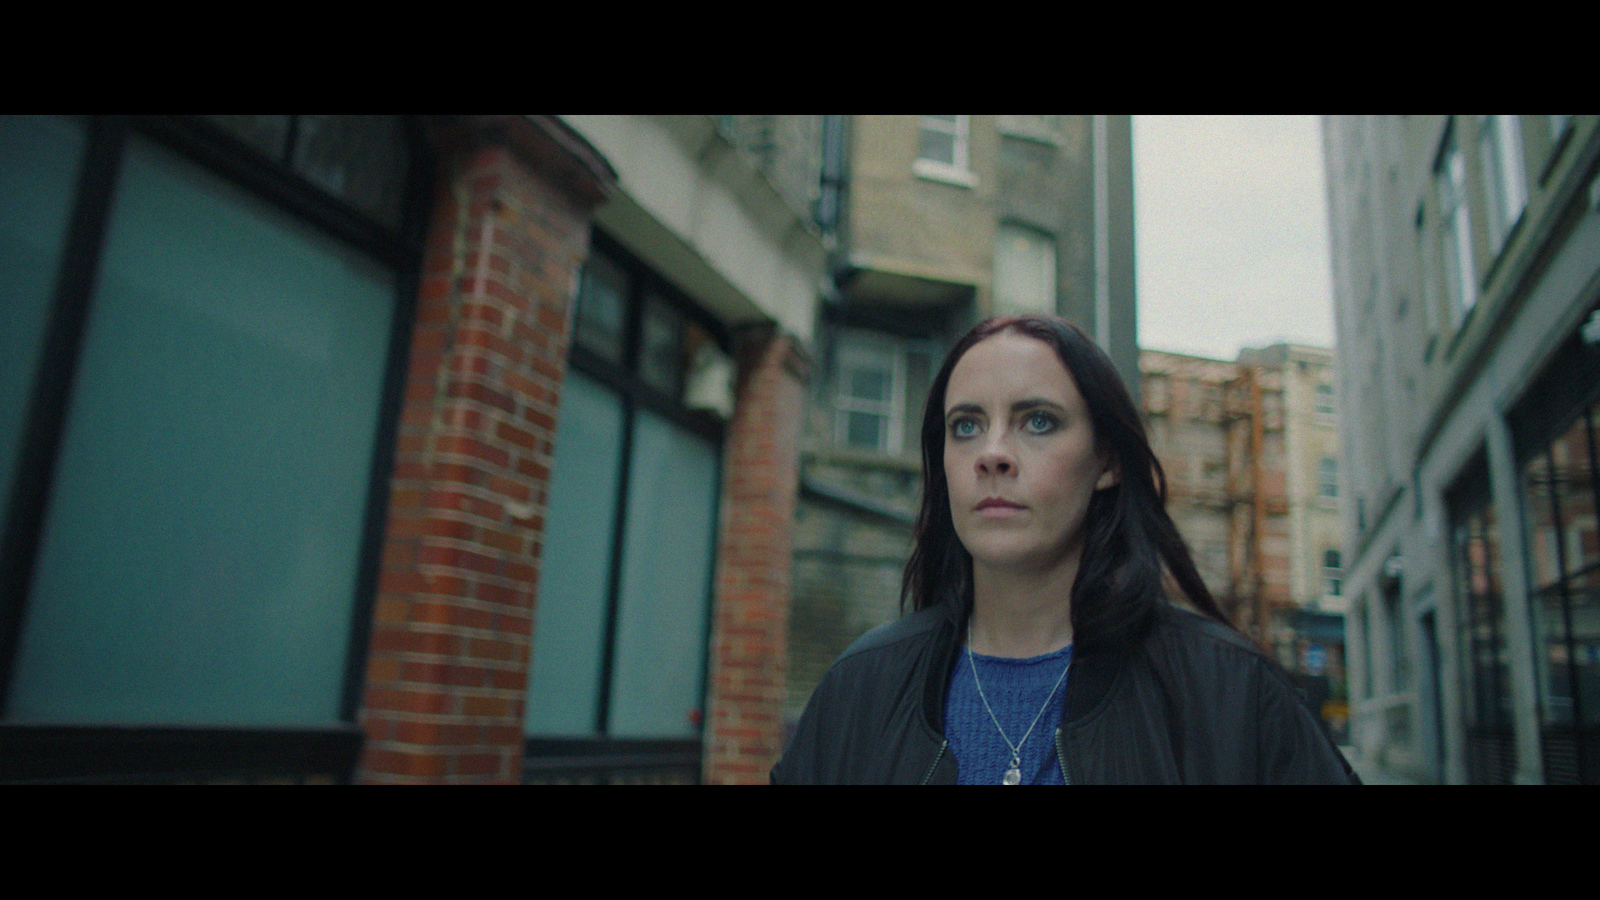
1015,689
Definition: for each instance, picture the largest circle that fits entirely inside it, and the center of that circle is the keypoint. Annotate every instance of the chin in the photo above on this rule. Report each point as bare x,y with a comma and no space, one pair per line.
1016,558
998,554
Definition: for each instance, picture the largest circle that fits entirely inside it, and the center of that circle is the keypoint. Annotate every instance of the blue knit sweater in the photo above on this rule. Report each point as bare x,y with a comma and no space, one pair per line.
1015,689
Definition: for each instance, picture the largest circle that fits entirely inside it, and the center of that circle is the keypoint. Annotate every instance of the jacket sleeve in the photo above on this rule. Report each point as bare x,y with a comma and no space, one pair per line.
861,726
1292,745
803,760
796,758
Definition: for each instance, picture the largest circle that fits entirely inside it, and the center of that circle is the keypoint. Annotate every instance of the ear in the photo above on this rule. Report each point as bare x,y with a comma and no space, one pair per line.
1109,476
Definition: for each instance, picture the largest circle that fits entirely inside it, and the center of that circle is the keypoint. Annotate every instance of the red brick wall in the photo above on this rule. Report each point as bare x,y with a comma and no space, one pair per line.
750,631
451,632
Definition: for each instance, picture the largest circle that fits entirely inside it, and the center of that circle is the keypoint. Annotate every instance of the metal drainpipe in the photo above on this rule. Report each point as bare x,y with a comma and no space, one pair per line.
1258,506
1102,236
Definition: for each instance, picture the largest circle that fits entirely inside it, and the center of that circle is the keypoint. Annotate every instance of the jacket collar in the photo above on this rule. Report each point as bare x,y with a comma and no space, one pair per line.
1089,679
941,663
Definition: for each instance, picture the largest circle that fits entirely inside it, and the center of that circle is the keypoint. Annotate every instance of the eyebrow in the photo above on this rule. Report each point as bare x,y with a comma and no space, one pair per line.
1019,406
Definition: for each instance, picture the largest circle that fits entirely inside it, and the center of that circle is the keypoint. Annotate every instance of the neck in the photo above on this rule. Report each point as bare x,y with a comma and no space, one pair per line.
1020,614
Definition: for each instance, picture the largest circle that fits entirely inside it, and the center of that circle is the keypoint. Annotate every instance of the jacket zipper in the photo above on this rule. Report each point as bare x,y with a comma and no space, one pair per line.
936,757
1061,757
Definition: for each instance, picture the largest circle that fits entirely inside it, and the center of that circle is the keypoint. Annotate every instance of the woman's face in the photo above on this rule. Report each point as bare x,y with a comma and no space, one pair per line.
1019,455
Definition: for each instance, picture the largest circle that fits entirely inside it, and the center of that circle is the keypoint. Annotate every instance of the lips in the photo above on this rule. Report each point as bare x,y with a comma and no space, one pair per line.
997,503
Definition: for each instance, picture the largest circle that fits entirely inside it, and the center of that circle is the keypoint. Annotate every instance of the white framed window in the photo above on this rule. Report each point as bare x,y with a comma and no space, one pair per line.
1428,287
1332,573
1504,176
943,144
1024,270
1328,477
1455,226
868,393
1325,403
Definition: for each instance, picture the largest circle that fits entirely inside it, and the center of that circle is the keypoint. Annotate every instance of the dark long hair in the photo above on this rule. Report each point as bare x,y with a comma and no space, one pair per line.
1129,538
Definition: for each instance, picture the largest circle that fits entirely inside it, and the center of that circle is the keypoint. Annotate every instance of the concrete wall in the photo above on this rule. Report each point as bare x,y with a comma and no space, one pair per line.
1428,387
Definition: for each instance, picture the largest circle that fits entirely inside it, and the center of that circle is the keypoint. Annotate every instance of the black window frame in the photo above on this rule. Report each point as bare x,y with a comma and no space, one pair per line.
1566,394
1571,748
1486,711
113,752
600,757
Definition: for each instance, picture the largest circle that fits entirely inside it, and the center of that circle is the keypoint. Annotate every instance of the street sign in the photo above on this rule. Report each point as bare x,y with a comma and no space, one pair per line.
1316,659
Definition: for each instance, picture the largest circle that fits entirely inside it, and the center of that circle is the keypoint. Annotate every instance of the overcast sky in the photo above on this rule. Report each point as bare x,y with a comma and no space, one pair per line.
1231,224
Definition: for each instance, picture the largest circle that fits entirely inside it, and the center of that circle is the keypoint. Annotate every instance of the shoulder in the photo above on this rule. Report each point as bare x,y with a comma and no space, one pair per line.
863,722
904,633
1194,626
1235,692
1208,657
885,655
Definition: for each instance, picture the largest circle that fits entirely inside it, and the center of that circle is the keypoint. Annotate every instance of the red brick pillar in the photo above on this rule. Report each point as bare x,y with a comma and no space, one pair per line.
448,661
749,641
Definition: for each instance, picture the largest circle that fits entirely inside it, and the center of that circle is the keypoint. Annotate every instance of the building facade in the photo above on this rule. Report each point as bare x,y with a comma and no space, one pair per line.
1250,449
396,450
931,223
1466,256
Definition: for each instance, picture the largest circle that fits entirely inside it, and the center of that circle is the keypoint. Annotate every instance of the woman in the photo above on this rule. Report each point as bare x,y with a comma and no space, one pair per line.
1060,632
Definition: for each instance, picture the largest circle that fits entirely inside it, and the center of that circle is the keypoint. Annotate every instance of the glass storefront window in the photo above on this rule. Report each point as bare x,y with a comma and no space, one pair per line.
1559,498
1485,658
664,603
39,161
623,609
574,581
200,550
198,347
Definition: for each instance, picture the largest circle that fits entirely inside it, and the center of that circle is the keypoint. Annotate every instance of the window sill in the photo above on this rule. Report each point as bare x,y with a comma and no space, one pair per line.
198,754
1558,146
942,172
834,453
1501,250
1038,136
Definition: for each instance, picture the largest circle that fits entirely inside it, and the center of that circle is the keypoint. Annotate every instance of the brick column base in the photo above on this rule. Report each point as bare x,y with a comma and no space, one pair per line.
749,641
448,661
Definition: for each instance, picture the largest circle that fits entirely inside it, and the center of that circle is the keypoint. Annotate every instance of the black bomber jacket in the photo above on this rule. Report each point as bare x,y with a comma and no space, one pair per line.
1194,703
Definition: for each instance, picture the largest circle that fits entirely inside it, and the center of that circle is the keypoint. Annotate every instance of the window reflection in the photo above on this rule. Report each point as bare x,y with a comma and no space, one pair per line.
362,160
1564,568
1486,662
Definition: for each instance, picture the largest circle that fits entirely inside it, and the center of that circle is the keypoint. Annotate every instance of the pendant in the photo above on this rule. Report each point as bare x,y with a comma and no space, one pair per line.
1013,776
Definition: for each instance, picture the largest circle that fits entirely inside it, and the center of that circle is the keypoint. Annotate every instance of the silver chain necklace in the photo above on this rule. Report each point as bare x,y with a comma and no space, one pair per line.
1014,774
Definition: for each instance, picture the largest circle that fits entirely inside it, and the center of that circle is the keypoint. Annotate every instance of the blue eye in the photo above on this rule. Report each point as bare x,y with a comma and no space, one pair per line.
1040,423
963,428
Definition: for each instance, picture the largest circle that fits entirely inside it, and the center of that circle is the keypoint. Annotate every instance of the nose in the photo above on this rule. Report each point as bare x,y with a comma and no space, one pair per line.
996,458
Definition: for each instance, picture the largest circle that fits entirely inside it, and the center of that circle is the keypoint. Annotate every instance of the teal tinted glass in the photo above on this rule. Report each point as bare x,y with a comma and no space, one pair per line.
864,430
569,627
666,583
39,161
868,384
199,556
